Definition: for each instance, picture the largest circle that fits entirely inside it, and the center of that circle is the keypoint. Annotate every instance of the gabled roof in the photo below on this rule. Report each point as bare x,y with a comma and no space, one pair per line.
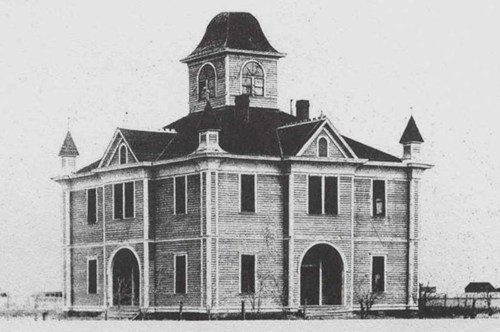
479,287
364,151
258,131
233,31
89,167
146,145
293,137
68,149
411,133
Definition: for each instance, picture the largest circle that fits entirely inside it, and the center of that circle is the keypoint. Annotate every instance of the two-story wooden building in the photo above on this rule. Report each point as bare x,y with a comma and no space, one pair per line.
240,201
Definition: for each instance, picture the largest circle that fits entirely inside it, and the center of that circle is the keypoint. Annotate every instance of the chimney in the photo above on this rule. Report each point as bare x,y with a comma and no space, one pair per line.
242,107
302,109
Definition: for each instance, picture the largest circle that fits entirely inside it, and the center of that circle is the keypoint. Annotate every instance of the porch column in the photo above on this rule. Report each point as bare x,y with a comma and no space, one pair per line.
145,273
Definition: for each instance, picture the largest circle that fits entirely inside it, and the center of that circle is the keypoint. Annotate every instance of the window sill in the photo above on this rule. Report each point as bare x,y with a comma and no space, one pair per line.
247,294
247,212
124,219
322,215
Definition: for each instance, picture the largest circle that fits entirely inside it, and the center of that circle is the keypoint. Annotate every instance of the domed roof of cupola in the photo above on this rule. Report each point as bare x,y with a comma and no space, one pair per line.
233,31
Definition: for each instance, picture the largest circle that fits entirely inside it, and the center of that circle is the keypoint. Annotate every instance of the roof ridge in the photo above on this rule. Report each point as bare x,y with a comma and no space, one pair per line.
302,122
159,131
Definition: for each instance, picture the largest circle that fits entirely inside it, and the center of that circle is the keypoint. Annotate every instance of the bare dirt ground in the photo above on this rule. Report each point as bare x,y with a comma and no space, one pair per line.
28,324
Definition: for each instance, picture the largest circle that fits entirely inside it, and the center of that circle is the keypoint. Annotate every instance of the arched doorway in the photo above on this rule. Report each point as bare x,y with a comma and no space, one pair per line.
125,278
321,276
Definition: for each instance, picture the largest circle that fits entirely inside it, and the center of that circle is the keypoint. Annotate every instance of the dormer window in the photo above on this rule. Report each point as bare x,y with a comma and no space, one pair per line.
206,82
122,154
322,147
252,79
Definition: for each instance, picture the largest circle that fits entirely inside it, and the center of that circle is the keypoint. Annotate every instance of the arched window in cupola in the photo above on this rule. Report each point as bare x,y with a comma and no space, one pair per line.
322,147
206,82
122,154
252,79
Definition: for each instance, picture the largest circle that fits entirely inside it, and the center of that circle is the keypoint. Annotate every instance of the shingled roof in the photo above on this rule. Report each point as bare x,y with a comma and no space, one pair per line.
256,131
146,145
68,149
233,31
411,133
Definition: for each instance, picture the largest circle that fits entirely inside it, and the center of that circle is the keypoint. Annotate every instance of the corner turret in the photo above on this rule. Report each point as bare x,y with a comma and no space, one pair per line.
68,154
411,140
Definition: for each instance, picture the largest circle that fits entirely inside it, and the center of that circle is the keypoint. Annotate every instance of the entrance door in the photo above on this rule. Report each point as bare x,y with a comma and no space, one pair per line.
321,276
125,279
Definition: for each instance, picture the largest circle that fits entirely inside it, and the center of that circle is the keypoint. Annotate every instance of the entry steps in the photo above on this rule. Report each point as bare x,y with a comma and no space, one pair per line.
123,313
327,312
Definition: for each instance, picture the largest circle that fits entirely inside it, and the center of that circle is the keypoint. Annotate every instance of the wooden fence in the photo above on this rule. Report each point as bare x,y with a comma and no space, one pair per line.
467,301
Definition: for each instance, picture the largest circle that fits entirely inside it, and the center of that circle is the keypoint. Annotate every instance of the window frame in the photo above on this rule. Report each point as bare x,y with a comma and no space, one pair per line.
199,96
122,185
240,193
384,256
185,194
89,259
185,255
120,147
92,222
240,270
323,195
321,137
372,207
252,79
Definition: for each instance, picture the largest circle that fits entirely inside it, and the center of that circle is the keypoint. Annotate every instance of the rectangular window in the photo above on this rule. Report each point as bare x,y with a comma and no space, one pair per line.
247,274
378,274
247,193
129,200
180,195
315,204
323,195
180,274
118,200
378,198
92,276
91,206
123,200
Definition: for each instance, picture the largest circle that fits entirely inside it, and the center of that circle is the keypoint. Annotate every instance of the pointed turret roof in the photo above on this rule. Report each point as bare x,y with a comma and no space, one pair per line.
68,149
233,31
411,133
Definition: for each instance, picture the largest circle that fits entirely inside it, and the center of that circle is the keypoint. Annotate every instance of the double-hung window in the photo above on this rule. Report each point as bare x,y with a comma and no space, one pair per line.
180,192
247,193
92,276
180,267
378,198
91,206
323,195
247,274
123,200
378,274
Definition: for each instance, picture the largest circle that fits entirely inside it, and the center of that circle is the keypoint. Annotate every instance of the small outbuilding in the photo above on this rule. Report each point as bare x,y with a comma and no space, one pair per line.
480,287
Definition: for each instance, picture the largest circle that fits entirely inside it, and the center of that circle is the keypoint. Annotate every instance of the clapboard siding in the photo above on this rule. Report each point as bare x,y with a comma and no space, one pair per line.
322,225
270,271
163,281
270,67
195,104
268,217
129,228
168,225
394,224
333,150
79,276
81,230
396,270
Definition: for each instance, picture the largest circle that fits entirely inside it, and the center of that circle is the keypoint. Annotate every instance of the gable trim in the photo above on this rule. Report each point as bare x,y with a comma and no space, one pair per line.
317,134
106,153
336,132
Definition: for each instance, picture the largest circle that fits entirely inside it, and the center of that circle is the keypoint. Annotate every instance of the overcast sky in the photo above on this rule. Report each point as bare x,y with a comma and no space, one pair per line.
368,66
